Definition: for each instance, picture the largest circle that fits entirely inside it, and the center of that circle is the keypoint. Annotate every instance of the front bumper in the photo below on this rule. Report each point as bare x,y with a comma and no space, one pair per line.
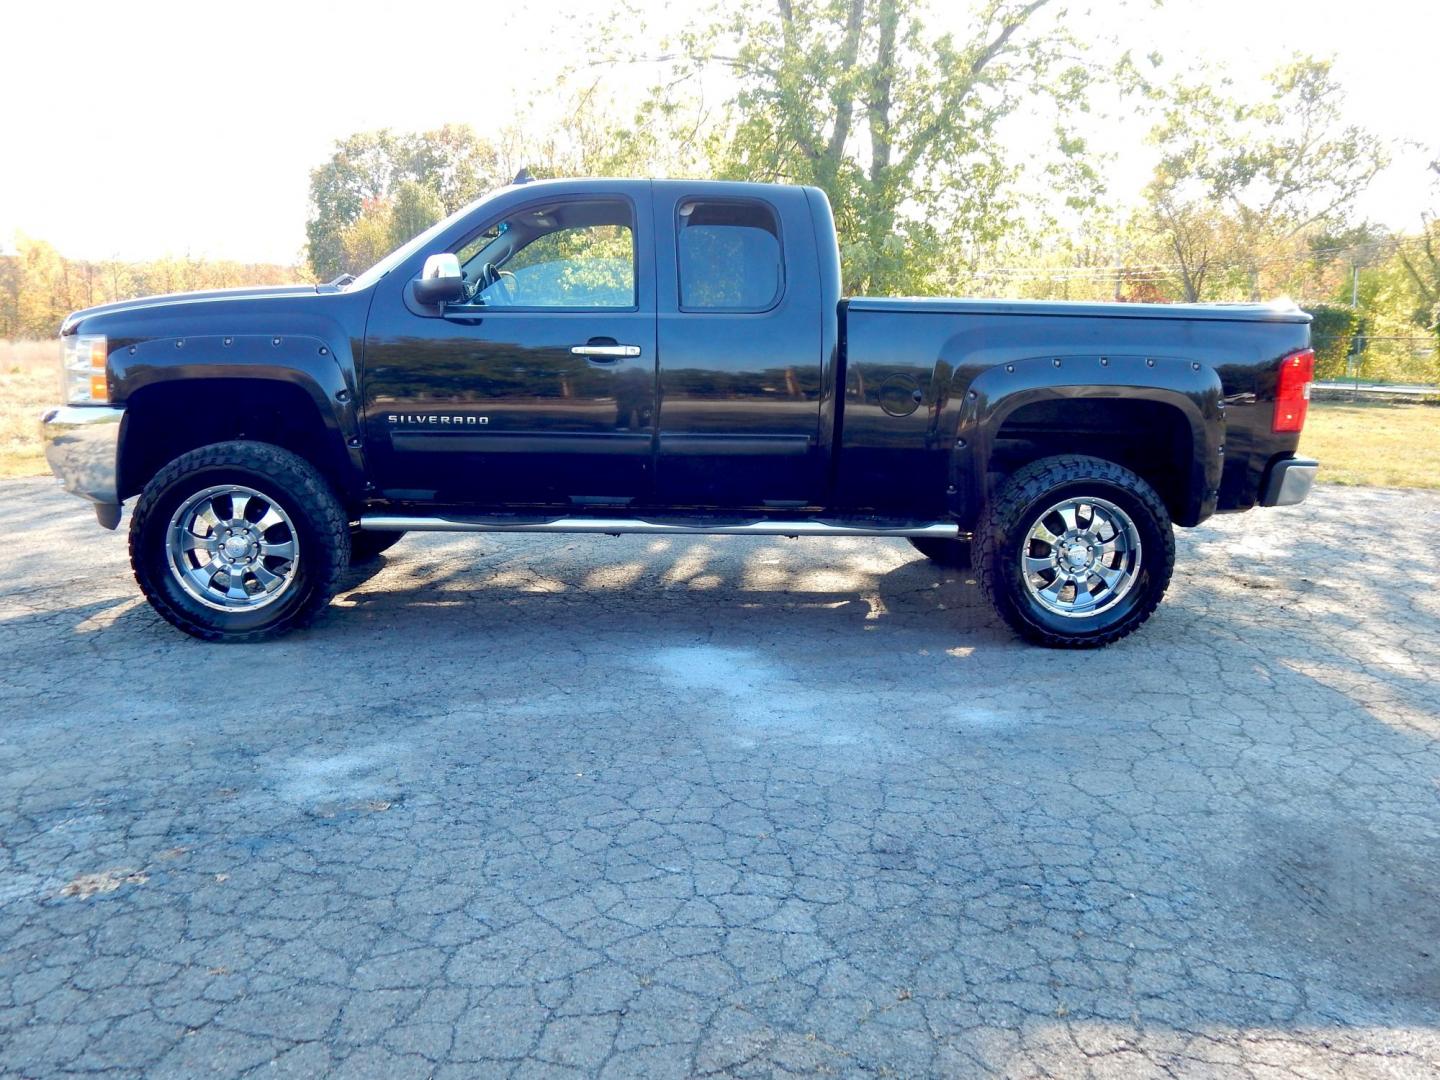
82,445
1289,481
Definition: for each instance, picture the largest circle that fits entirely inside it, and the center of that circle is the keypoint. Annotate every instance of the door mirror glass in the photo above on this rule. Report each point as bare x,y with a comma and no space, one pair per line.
441,281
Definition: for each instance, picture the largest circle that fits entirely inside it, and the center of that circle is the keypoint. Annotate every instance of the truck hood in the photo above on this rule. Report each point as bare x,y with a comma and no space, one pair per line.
177,300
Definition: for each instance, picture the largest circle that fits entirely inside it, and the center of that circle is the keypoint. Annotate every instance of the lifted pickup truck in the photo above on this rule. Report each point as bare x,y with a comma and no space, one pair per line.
667,356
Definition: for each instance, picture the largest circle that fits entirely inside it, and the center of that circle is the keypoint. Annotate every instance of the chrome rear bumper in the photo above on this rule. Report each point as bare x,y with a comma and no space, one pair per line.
1289,481
82,445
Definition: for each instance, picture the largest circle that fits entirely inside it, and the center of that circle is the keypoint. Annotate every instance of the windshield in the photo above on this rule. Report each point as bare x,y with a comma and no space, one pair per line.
404,251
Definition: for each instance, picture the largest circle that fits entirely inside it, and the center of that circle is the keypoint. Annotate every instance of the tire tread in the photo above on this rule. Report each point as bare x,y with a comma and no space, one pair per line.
319,504
1029,483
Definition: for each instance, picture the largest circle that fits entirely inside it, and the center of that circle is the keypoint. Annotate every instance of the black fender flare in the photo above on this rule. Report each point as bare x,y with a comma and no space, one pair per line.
324,371
981,407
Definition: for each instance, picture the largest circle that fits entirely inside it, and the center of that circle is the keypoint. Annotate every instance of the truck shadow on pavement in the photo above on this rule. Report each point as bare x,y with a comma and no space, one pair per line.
668,580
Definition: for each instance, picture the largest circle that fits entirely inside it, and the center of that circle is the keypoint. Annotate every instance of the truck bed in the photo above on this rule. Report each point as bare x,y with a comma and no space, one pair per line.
935,389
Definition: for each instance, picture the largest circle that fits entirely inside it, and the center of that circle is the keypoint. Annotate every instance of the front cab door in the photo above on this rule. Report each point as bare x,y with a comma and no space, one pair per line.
539,388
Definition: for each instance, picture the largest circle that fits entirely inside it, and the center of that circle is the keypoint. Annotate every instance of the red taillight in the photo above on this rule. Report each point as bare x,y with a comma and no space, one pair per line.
1292,394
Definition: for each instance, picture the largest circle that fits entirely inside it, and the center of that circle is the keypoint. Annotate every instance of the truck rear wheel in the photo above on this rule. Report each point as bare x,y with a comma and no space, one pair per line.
1075,552
238,541
951,553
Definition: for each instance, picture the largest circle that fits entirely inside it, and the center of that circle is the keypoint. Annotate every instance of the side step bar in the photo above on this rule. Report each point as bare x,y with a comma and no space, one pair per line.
615,526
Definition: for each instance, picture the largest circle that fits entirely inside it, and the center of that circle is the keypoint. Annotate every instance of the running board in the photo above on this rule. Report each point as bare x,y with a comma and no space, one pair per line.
615,526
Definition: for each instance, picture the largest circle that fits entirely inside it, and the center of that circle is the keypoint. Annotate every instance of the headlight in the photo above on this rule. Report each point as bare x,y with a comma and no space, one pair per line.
83,359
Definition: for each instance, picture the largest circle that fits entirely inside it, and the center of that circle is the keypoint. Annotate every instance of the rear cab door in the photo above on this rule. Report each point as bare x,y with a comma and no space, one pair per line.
738,337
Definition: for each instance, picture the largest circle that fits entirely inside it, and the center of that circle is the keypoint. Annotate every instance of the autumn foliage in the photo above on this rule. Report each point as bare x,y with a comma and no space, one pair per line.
39,286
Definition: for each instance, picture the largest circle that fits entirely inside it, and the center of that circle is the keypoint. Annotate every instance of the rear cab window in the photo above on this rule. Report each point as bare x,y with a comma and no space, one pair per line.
728,255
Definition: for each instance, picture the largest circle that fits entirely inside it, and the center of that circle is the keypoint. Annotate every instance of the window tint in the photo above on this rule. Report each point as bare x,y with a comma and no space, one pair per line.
729,256
570,255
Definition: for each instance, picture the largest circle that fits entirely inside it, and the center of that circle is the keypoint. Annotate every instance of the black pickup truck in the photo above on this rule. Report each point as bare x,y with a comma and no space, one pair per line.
667,356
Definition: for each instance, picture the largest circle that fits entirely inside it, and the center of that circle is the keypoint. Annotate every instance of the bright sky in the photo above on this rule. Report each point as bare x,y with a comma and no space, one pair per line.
148,128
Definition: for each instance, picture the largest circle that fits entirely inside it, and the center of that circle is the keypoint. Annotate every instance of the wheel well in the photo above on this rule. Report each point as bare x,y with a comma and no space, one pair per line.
1152,439
165,420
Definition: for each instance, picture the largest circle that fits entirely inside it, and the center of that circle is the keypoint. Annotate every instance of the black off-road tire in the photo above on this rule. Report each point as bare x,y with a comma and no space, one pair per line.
952,553
367,546
1005,523
321,524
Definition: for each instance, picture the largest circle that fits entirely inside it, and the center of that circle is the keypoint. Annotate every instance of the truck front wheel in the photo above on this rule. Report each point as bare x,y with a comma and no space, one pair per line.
1074,552
238,541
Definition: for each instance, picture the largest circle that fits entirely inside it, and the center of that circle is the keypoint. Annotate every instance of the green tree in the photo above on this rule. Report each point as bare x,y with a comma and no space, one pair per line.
1422,262
592,138
1240,185
413,209
898,125
416,178
362,168
367,239
452,161
1333,333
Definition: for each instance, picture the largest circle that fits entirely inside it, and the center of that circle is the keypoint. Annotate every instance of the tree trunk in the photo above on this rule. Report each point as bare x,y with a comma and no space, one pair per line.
881,207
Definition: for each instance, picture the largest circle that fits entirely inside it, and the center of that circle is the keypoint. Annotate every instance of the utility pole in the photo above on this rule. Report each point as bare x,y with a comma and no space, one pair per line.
1353,360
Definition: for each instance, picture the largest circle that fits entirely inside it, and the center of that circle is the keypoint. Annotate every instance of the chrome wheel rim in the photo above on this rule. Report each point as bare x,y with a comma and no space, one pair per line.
233,548
1080,557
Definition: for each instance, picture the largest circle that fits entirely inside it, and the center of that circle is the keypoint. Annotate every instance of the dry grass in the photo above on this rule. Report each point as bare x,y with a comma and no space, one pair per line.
1371,444
1375,444
29,381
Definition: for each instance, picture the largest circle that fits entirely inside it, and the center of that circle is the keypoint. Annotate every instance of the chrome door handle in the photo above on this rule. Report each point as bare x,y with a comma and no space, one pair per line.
605,352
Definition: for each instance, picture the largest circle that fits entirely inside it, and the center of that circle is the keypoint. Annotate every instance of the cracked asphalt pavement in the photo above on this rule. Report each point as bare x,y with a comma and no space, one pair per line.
533,806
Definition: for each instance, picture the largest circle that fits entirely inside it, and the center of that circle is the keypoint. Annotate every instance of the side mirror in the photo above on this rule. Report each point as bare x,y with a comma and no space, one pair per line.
440,282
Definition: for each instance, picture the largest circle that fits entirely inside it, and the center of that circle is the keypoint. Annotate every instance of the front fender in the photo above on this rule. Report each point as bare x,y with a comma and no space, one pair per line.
324,371
982,407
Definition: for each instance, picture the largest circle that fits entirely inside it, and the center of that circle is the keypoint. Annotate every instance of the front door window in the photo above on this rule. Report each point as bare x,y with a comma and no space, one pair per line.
572,256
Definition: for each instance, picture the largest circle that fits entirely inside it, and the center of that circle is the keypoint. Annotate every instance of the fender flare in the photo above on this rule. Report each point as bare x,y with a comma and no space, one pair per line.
317,367
983,406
